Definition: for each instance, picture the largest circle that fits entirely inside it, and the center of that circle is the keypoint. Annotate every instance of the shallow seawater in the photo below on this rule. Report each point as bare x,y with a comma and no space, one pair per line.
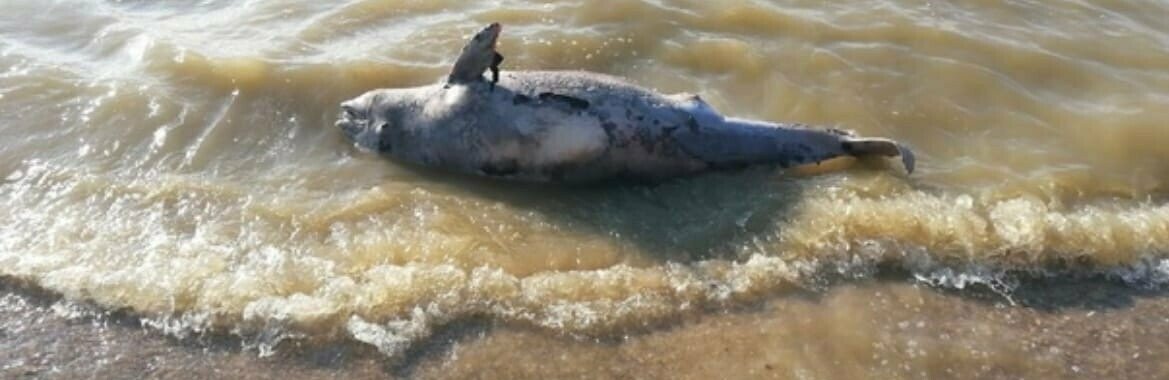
173,165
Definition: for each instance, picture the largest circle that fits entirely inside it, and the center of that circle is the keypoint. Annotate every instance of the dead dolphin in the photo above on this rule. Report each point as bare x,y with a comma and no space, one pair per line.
574,126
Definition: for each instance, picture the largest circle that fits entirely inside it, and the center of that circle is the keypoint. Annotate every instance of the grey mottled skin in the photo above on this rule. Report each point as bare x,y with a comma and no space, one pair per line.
572,126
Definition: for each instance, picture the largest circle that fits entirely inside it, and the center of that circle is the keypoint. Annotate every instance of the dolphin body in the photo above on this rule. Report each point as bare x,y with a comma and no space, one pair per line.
574,127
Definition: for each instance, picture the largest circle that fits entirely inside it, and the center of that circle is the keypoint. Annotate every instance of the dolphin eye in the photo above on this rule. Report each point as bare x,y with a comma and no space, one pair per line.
349,110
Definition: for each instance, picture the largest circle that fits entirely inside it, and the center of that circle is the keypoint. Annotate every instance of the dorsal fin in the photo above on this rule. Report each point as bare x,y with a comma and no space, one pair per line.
478,55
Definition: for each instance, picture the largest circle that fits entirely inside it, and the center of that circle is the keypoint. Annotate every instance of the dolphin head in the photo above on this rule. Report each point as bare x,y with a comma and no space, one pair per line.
354,117
376,119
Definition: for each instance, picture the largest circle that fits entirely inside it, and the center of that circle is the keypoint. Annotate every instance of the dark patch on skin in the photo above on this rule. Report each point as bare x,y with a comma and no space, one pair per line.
616,138
576,172
835,131
646,139
667,145
628,113
610,128
791,149
640,118
383,143
656,122
498,169
521,99
730,165
575,103
555,172
798,154
692,124
495,61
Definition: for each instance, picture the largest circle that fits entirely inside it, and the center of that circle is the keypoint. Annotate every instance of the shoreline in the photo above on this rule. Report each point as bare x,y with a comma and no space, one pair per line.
890,329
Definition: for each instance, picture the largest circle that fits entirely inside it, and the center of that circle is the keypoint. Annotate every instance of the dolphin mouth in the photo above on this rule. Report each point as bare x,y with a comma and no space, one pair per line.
351,120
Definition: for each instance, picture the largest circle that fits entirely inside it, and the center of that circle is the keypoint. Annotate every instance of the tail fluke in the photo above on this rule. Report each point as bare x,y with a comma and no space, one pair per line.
876,146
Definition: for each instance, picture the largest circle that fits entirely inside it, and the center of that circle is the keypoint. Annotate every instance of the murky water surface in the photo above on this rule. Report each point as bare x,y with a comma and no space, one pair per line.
172,164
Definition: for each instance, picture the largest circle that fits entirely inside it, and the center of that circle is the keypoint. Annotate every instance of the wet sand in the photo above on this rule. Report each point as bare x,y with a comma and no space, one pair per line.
1047,329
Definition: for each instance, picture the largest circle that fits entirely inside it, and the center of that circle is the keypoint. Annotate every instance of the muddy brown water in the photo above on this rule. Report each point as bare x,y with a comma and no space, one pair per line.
175,201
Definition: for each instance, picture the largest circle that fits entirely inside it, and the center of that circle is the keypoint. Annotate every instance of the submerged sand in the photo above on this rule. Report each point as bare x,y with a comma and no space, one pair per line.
1048,329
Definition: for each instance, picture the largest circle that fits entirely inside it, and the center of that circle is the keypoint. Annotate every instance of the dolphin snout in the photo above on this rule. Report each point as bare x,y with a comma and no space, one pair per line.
353,117
350,108
353,110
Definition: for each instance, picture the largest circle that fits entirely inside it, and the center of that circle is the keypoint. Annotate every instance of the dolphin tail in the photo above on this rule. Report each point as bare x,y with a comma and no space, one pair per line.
876,146
733,142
